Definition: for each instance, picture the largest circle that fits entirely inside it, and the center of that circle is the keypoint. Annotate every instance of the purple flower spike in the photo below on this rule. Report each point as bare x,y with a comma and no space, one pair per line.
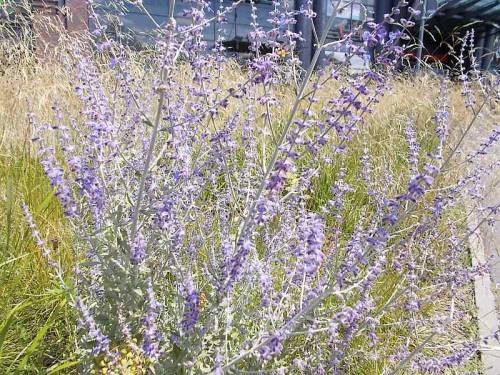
101,341
191,306
138,250
150,344
56,176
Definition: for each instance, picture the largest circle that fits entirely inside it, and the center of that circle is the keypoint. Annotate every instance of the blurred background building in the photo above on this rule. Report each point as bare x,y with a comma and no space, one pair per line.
442,20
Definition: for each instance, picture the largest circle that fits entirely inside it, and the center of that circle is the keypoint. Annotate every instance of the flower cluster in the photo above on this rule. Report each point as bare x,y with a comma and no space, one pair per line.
223,223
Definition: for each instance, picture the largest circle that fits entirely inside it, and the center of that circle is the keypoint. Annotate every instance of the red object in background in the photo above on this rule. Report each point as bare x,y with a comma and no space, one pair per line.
50,21
78,17
341,30
432,57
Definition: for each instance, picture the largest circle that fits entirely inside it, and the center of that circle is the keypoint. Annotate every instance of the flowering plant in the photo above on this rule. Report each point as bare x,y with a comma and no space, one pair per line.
202,242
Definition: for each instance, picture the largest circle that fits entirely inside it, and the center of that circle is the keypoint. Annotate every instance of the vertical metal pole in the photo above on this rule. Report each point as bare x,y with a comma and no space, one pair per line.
320,8
480,49
382,7
488,51
171,7
421,35
303,27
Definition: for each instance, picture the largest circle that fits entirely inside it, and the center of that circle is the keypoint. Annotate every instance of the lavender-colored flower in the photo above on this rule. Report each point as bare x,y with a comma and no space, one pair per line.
138,250
56,176
438,365
263,69
273,347
312,237
151,338
441,118
101,341
35,233
191,306
406,23
487,144
238,260
414,12
464,77
413,145
369,39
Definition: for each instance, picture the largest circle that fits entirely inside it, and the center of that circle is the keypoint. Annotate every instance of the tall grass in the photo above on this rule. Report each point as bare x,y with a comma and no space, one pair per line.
37,325
37,331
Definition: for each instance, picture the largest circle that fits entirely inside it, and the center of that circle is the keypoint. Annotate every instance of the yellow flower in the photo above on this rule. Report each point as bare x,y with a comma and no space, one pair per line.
281,52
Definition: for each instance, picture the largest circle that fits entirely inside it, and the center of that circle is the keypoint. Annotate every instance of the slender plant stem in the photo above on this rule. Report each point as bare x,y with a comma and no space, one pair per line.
464,134
154,135
149,157
288,125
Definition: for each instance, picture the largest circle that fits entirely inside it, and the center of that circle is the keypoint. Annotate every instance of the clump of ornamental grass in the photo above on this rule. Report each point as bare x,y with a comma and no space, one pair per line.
35,319
218,226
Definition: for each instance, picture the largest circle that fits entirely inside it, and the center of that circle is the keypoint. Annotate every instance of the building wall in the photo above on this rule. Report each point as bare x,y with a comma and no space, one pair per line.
53,18
77,17
237,23
48,24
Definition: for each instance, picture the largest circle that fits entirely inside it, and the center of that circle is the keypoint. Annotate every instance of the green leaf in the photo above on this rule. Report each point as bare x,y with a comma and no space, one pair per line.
45,203
148,123
36,342
8,321
61,366
8,209
13,260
